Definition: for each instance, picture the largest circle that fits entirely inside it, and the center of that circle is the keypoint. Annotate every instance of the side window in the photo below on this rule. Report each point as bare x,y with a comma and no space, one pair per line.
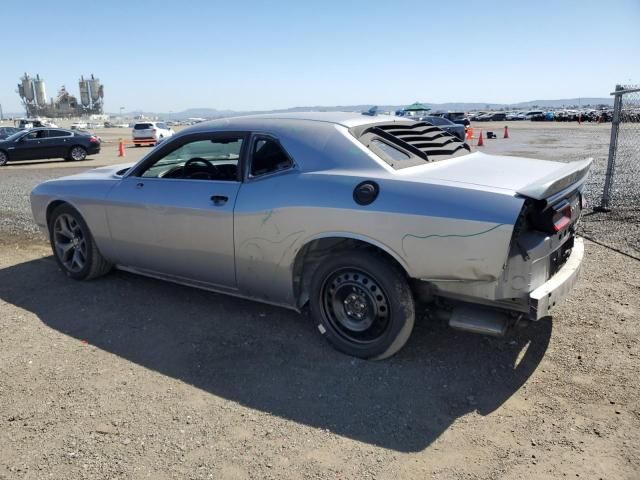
35,135
58,133
211,159
268,157
162,126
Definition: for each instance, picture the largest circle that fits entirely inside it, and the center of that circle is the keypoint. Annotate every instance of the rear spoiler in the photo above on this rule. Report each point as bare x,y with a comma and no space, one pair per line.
571,173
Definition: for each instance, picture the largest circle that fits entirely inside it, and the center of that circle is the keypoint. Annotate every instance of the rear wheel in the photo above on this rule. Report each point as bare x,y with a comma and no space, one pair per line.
73,246
77,153
4,158
363,304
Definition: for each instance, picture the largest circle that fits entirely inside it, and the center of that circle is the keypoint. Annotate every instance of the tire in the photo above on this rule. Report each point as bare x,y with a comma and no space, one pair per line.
4,158
77,153
68,234
362,304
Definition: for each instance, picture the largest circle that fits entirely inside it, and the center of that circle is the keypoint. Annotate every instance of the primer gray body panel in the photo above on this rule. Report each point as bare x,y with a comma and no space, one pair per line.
449,222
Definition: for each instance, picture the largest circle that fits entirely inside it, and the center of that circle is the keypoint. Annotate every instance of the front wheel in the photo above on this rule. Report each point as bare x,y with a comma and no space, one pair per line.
362,304
73,246
4,158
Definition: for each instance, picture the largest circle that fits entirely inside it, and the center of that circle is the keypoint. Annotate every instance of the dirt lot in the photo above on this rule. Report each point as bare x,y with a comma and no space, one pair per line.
127,377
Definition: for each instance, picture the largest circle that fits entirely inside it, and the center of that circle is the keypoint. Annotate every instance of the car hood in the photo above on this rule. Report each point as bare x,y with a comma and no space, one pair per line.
537,179
108,172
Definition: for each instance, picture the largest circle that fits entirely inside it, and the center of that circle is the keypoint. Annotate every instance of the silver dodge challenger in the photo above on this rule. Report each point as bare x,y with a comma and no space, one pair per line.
362,219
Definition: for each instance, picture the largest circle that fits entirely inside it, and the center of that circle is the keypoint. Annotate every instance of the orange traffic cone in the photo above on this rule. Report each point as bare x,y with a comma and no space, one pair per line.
121,149
469,133
480,140
506,131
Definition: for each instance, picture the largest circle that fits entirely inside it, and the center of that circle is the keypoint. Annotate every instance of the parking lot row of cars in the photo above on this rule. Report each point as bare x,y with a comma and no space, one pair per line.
542,115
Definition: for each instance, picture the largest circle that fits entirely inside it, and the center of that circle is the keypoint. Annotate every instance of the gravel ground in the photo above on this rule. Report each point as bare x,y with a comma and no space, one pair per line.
128,377
16,219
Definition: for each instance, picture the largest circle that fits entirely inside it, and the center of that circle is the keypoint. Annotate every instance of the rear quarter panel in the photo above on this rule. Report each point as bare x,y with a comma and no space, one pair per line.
436,232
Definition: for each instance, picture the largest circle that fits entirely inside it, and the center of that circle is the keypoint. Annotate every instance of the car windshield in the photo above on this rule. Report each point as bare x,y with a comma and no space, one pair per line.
15,136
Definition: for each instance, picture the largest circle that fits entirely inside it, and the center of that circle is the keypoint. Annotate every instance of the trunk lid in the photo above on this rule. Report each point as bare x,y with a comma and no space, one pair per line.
536,179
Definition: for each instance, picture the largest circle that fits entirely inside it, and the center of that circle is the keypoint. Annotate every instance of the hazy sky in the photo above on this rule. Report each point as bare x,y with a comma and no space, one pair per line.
169,56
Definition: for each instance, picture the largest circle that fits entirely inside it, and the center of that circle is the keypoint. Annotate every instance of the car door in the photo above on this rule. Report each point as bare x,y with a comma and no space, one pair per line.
265,235
57,143
173,214
29,146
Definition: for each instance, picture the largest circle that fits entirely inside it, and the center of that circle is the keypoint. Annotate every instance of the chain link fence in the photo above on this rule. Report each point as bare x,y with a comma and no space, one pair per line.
622,178
615,220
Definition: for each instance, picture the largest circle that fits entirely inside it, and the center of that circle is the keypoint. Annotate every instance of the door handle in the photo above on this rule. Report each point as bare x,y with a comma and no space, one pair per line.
139,185
219,199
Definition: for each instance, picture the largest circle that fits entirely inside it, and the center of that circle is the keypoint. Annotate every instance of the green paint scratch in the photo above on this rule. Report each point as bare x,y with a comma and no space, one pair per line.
436,235
267,217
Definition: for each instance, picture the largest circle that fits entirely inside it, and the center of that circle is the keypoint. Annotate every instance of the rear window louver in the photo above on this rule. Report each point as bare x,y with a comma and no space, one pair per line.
421,139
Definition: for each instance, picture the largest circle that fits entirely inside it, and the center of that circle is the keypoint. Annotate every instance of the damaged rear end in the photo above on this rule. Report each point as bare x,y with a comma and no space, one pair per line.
545,255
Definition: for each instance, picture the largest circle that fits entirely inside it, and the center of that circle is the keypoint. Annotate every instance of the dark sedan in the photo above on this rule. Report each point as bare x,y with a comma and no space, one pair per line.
446,125
43,143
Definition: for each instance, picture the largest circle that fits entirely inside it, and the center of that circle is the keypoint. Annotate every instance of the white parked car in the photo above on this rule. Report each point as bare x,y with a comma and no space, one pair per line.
79,126
146,131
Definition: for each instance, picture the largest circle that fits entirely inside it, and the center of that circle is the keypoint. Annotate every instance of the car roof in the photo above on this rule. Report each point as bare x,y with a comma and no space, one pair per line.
345,119
49,128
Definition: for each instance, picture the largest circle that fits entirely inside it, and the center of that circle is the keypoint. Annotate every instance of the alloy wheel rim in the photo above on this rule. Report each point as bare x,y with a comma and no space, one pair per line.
77,153
70,243
355,305
3,158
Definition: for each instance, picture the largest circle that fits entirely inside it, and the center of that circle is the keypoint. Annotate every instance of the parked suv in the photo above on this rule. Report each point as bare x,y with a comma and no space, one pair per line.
155,131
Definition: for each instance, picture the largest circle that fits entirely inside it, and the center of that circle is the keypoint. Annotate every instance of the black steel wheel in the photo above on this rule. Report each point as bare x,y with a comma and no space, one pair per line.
73,246
362,303
356,305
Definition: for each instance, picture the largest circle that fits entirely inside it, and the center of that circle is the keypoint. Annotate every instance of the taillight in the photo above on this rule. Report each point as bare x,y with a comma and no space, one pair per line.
561,219
552,219
94,139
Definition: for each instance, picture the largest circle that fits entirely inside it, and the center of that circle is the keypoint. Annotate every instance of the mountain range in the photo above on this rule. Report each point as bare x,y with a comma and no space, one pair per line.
450,106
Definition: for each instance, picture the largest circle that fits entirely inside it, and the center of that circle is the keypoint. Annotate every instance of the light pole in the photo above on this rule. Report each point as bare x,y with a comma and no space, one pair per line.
121,110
